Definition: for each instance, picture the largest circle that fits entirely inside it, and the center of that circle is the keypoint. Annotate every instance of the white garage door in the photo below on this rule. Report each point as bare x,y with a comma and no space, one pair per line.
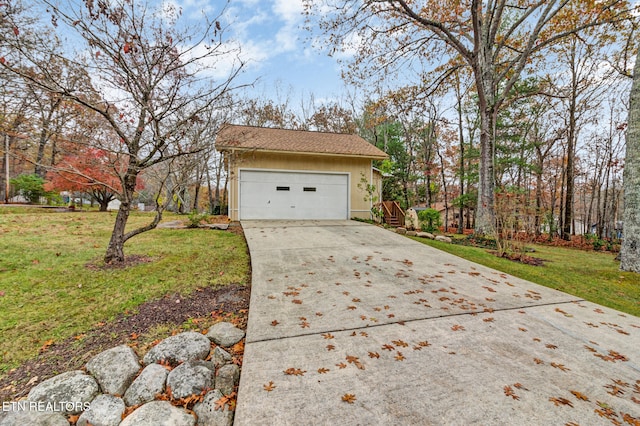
293,195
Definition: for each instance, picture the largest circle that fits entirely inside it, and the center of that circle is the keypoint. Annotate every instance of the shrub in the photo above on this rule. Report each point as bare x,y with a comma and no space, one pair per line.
195,218
429,220
30,187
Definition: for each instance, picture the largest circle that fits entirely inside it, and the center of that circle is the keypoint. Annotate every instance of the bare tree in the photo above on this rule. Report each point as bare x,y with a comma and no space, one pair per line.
155,78
497,40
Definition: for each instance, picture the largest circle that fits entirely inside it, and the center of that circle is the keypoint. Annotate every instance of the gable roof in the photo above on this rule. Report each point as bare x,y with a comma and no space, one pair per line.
295,141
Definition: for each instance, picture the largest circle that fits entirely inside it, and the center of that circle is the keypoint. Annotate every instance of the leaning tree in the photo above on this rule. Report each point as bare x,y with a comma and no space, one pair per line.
155,75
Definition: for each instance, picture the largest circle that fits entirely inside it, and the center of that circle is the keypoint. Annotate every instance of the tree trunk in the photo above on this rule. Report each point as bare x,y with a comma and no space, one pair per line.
630,251
115,249
485,214
461,136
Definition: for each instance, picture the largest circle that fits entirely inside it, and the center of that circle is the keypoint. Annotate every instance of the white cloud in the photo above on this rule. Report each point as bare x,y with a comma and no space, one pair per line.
289,11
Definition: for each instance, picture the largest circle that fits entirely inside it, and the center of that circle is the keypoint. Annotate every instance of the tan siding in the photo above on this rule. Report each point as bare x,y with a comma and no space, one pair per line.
356,167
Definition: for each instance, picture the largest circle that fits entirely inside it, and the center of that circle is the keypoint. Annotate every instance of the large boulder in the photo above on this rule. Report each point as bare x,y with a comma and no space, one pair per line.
443,238
68,392
225,334
428,235
33,418
114,369
182,347
188,379
207,413
159,413
145,387
105,410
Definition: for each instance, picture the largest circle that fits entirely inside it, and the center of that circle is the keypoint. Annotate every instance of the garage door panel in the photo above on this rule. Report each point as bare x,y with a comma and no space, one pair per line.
292,195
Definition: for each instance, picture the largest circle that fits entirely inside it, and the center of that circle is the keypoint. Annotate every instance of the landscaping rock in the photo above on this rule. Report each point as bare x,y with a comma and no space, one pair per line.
145,387
207,413
159,413
401,231
426,235
33,418
114,369
188,379
105,410
443,239
179,348
225,334
227,378
220,226
411,233
221,357
74,388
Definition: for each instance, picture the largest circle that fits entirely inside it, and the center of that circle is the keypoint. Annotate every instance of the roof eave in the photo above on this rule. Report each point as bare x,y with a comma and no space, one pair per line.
324,154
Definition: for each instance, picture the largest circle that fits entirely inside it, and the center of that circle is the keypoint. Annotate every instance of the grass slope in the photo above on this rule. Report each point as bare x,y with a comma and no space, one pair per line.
593,276
52,288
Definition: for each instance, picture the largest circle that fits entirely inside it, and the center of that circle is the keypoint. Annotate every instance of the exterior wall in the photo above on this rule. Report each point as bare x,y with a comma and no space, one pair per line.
355,167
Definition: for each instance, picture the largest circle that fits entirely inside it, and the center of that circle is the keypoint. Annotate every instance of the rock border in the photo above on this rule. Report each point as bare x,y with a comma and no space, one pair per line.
186,379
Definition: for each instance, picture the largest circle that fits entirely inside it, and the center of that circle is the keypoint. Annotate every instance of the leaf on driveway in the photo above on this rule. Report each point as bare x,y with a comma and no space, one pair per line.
294,372
349,398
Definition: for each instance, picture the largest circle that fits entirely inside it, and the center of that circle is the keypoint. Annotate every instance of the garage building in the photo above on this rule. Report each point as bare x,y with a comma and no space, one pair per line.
295,174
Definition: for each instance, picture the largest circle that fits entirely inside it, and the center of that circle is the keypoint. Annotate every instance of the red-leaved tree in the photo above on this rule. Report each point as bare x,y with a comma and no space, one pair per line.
92,171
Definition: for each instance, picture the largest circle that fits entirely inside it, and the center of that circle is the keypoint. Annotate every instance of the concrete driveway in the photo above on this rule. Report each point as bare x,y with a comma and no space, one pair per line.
351,324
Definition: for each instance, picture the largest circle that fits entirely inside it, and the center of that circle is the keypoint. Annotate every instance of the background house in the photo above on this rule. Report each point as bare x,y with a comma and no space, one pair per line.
295,174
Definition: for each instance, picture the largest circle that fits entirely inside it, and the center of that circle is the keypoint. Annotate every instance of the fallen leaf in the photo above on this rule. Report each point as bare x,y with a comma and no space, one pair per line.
538,361
580,395
550,346
399,356
294,372
457,327
388,347
297,302
349,398
400,343
560,401
355,360
46,345
323,370
490,319
274,323
424,344
330,347
508,391
341,365
374,355
327,335
269,387
560,367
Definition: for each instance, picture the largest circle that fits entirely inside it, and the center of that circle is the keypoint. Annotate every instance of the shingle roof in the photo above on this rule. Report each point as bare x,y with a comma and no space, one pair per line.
298,141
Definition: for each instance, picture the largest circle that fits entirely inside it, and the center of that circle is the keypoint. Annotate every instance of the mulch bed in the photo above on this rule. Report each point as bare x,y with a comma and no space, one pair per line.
172,310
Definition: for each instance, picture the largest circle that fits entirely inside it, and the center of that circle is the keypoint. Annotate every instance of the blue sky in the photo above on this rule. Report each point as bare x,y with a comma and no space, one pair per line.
275,47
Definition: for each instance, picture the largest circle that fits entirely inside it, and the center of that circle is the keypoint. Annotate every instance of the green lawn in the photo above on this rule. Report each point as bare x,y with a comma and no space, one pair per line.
50,287
593,276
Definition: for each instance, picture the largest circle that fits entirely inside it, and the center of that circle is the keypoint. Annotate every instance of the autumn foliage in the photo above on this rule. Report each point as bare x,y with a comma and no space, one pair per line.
93,171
